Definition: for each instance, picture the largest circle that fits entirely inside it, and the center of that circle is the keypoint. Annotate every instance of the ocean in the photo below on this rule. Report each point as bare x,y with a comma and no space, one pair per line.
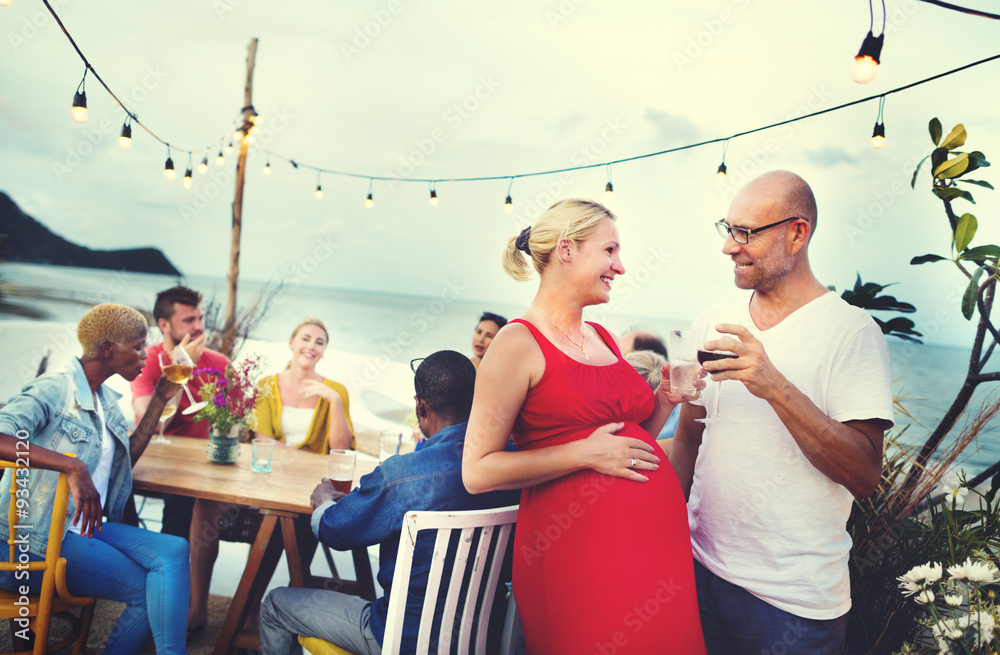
926,377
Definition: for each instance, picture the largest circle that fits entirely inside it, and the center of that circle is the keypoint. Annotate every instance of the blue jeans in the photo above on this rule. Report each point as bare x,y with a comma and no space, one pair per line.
147,571
329,615
736,622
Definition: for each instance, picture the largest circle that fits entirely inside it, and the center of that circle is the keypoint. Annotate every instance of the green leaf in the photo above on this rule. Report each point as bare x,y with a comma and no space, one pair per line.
979,158
969,298
913,181
981,252
952,167
923,259
955,138
965,231
947,194
982,183
935,130
901,328
938,157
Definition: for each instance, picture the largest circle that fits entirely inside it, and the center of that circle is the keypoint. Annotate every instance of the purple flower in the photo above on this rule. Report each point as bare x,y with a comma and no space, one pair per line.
219,399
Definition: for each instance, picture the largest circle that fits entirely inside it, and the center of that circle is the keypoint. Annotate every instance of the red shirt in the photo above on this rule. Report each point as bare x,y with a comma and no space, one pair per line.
180,425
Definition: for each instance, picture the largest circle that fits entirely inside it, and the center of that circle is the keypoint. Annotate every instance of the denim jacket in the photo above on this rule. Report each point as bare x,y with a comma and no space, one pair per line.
56,411
430,479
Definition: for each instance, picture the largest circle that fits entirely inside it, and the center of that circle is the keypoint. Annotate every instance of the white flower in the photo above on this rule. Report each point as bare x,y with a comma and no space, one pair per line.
953,490
959,571
982,572
924,597
955,600
920,576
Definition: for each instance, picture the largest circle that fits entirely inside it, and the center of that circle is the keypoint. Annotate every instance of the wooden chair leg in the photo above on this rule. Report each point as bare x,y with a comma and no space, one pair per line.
86,619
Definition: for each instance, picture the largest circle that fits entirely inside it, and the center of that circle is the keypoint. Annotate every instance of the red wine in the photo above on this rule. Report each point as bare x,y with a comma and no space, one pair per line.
714,355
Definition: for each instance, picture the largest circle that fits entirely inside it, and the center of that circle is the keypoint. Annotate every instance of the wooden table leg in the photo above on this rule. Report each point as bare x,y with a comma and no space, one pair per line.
264,555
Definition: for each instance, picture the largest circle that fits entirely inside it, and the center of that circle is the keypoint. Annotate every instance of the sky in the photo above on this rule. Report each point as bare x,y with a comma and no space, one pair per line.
448,89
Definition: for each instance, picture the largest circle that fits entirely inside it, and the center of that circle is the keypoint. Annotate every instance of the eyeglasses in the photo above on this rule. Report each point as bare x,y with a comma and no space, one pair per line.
742,234
414,365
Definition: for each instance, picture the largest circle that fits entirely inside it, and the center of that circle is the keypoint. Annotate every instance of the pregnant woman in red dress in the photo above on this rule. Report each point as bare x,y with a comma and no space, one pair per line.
602,552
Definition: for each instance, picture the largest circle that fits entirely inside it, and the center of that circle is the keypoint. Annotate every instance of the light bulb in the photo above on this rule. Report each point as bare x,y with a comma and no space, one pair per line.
229,148
5,3
267,168
508,205
168,170
125,140
79,111
319,192
203,166
220,160
866,62
238,135
187,179
722,170
369,202
609,190
434,198
878,136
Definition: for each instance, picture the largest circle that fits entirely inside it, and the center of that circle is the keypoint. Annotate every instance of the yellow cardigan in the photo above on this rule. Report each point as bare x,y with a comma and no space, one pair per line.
318,436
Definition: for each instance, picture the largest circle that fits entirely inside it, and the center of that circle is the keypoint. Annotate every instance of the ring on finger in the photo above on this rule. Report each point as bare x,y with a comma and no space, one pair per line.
632,465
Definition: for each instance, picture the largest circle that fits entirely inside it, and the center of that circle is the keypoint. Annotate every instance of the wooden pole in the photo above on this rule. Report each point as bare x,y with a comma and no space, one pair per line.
229,329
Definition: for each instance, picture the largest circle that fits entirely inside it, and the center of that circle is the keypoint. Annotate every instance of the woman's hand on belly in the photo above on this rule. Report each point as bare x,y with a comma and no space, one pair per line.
606,452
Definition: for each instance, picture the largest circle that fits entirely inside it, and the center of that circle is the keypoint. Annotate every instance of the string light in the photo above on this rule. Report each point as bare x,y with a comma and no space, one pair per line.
319,188
5,3
229,147
79,110
203,166
238,135
508,203
722,167
369,201
188,174
866,61
125,140
168,169
220,159
267,166
609,189
434,196
878,135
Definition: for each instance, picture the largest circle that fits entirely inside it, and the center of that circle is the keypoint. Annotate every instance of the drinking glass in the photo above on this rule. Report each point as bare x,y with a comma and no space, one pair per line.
342,469
388,444
168,412
682,351
261,454
179,372
711,356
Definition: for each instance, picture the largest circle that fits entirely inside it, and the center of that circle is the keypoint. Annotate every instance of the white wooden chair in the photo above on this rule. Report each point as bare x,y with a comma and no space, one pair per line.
471,581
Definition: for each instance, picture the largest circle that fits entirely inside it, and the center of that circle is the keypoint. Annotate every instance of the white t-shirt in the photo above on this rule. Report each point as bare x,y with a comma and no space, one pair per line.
762,516
102,472
295,422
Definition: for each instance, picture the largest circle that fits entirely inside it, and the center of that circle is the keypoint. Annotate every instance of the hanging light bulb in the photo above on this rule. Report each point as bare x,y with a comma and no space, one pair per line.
609,189
125,140
319,192
434,198
5,3
203,166
878,136
79,110
220,160
238,135
168,169
187,178
369,203
722,170
866,61
267,167
508,204
229,147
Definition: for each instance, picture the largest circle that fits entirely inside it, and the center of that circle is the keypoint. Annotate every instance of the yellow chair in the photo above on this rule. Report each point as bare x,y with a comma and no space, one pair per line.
317,646
53,600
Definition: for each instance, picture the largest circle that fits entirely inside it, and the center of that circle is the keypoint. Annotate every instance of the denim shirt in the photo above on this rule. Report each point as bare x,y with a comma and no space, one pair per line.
429,479
56,411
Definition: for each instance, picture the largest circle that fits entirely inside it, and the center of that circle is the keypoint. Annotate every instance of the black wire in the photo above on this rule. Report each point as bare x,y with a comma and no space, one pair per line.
964,10
871,16
90,68
883,16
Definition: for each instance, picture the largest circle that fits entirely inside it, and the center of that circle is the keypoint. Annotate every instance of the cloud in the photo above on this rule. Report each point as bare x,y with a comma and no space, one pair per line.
829,156
672,129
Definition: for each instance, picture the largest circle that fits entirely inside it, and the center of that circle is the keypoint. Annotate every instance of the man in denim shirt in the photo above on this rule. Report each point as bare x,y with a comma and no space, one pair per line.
430,479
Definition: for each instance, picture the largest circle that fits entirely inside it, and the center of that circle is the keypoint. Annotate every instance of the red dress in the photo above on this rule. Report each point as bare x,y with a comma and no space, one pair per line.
602,565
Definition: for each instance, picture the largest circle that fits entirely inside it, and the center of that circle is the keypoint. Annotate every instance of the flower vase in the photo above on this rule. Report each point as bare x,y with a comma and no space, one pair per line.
224,448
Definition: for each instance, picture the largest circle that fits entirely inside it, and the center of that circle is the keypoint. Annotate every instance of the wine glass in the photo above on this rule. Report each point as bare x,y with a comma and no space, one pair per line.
712,356
179,372
168,412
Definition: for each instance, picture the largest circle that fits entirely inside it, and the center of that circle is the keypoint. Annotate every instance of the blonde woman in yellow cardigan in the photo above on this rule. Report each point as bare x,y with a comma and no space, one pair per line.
303,409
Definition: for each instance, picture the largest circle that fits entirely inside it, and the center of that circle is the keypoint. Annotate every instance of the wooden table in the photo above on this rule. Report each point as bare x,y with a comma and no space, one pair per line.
182,467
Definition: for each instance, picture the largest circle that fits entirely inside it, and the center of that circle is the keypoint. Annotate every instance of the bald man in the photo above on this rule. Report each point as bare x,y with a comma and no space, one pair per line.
795,436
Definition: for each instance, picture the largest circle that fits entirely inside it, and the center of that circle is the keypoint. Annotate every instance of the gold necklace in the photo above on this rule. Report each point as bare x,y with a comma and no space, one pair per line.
583,334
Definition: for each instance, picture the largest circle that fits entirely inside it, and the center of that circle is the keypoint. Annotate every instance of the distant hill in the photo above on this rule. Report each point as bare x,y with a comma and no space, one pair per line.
23,239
